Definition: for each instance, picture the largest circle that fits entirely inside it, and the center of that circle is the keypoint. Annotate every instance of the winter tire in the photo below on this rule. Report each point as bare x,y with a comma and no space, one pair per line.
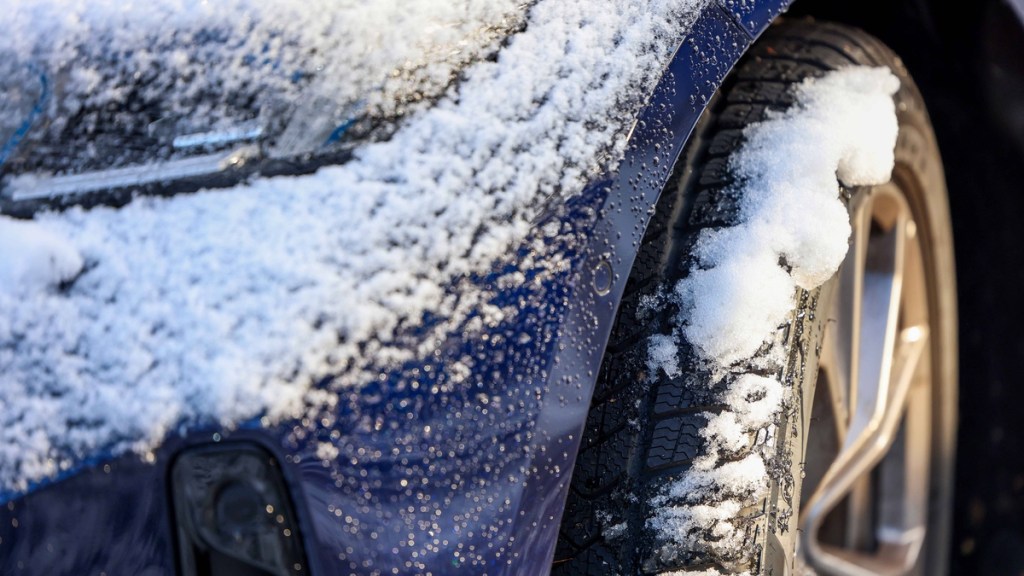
860,459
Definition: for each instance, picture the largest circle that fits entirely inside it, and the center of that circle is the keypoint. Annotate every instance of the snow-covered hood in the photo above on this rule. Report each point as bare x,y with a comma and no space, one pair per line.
231,305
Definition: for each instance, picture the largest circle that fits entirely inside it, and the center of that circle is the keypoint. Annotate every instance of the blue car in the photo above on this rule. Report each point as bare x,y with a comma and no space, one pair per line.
478,287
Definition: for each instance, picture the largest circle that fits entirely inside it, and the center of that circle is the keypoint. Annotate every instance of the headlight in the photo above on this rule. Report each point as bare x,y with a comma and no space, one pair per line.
233,514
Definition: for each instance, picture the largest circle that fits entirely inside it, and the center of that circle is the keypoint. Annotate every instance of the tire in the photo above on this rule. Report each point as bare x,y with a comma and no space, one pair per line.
645,428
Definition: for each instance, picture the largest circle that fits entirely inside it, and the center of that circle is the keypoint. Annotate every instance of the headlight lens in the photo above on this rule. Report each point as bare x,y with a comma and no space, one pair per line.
233,514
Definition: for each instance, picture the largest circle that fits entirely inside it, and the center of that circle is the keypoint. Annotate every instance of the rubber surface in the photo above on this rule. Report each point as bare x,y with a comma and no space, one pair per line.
643,429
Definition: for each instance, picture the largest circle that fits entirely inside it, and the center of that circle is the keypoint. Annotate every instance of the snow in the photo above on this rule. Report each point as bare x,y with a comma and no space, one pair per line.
754,402
34,258
794,230
662,354
793,233
708,572
228,305
382,56
729,315
615,531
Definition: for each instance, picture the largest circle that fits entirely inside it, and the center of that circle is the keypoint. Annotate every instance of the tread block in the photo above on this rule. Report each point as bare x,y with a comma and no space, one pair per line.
776,94
715,208
620,370
612,414
780,68
587,519
601,465
716,173
675,441
799,49
741,115
675,396
725,142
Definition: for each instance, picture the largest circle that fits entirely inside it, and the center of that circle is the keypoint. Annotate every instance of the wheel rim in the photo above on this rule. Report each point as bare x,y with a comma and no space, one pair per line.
865,505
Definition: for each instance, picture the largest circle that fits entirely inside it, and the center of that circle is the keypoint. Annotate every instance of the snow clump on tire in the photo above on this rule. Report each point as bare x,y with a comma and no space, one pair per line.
792,233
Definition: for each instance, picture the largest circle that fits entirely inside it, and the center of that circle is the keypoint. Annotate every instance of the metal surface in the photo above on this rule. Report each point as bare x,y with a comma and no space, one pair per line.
434,475
32,187
874,371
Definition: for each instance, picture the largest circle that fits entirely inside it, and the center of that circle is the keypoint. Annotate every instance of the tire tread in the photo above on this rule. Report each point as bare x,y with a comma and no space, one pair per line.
641,433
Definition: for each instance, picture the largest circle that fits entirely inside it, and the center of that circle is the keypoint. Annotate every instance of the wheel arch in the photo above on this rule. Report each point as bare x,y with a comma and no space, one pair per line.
623,203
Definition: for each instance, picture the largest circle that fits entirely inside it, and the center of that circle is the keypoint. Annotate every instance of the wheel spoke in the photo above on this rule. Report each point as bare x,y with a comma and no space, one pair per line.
870,361
840,355
877,298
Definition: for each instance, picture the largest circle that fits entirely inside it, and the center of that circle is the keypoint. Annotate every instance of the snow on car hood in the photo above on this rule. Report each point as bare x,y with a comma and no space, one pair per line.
383,54
228,305
104,84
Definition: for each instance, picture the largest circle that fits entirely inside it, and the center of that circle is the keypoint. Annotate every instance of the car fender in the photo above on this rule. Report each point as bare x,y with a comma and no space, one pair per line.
516,500
717,40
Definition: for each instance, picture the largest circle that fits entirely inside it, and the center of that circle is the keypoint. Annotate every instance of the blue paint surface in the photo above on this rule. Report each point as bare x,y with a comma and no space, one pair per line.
491,450
23,129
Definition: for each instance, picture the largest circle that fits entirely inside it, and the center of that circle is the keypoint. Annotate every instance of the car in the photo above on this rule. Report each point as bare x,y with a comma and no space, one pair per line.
479,287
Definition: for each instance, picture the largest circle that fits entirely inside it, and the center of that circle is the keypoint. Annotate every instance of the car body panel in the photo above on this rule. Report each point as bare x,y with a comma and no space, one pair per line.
426,472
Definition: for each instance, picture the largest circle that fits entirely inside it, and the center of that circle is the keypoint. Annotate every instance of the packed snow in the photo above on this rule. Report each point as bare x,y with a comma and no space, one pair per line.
793,232
228,305
34,260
